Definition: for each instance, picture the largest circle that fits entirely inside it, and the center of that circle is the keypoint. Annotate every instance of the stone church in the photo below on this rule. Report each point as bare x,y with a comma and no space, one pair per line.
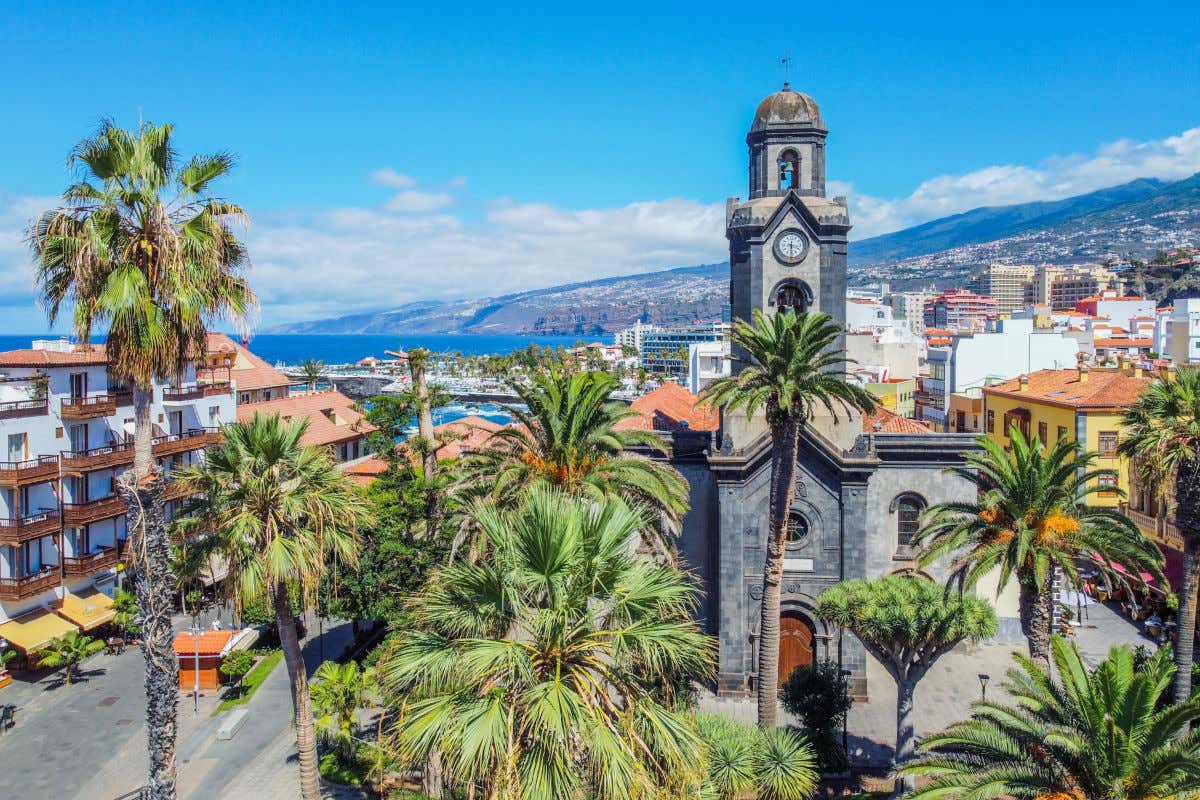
862,483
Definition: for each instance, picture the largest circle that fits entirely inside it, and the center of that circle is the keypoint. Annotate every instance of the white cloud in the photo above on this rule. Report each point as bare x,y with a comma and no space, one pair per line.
419,202
1057,177
392,179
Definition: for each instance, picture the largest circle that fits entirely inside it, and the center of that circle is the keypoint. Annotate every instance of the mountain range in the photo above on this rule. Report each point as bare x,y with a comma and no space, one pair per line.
1131,221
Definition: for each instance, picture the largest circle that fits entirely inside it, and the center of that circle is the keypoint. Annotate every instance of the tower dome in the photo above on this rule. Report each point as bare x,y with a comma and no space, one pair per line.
787,109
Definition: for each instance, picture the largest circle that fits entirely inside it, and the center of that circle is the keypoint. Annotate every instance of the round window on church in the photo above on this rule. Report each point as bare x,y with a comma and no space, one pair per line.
797,529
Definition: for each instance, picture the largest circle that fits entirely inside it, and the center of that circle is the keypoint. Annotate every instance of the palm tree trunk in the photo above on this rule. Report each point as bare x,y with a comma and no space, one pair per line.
424,413
306,737
906,743
785,445
1186,630
1036,611
149,551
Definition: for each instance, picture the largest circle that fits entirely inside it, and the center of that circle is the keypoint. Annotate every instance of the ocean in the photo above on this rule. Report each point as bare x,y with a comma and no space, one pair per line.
348,348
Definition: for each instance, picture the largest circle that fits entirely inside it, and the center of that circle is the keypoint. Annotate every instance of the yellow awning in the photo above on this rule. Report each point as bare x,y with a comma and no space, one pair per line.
33,631
88,609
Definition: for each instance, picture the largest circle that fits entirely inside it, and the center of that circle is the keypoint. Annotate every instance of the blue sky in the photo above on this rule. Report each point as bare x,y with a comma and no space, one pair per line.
429,151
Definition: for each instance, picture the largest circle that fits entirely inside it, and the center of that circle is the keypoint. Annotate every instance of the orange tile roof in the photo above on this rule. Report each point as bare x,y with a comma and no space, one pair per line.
466,434
77,357
891,422
670,407
1103,389
316,407
1124,342
250,373
364,471
211,642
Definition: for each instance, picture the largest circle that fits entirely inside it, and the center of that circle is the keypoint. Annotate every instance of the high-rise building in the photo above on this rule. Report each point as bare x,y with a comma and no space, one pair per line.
1011,285
959,310
1066,286
909,307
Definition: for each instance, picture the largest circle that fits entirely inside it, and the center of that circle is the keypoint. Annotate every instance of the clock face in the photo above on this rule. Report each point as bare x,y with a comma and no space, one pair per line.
790,246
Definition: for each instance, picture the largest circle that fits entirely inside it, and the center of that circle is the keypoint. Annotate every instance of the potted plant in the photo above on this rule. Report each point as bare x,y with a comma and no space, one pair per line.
7,654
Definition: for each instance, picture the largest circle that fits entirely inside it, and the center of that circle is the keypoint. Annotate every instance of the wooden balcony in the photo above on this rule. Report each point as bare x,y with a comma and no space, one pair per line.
192,439
82,566
76,515
23,408
97,405
31,526
21,473
29,585
111,455
182,394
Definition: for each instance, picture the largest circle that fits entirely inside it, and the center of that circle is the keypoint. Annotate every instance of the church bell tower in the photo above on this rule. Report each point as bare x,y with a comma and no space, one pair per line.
787,241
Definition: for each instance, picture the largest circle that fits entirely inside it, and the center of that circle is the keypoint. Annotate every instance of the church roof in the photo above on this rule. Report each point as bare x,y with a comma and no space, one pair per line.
787,109
670,407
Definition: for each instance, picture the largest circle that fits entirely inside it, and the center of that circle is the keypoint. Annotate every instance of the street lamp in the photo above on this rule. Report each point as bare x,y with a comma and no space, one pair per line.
846,722
983,682
194,610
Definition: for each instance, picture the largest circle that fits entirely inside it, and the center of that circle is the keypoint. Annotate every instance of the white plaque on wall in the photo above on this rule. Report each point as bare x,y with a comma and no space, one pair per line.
797,565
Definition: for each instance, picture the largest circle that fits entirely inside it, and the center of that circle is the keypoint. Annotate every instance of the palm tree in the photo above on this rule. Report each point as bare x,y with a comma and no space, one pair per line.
746,762
283,512
1031,517
569,438
907,624
791,368
1162,436
313,369
141,247
338,691
68,652
126,610
417,360
1091,735
539,671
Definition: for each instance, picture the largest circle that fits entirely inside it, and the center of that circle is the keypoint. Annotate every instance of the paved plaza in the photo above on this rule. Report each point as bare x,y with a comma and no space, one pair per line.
945,695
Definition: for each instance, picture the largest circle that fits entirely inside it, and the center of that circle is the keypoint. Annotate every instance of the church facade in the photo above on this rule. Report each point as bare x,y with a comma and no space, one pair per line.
862,484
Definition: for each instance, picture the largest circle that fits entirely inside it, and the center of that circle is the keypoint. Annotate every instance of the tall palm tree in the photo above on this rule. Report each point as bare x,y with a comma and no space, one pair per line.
792,367
418,360
1091,735
283,512
1162,437
536,671
568,437
313,369
1030,517
142,247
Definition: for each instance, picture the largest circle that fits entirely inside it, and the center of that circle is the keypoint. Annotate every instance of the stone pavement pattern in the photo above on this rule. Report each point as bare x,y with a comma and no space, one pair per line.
945,694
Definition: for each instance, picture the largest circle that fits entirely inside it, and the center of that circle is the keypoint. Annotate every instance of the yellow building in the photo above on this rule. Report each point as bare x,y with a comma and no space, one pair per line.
896,394
1080,404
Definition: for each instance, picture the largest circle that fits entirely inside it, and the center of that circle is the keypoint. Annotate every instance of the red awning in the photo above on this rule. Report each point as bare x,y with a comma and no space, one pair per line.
1116,566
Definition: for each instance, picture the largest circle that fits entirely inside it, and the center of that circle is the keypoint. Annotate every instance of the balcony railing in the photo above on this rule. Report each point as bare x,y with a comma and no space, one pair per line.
177,394
97,405
23,408
19,473
79,566
110,455
29,585
78,514
191,439
22,529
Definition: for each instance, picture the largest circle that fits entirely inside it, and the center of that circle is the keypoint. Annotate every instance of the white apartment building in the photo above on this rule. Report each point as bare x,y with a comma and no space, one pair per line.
978,359
909,308
632,337
707,361
67,427
1182,340
867,314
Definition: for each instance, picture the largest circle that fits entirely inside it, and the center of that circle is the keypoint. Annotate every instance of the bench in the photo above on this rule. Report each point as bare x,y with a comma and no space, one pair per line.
232,724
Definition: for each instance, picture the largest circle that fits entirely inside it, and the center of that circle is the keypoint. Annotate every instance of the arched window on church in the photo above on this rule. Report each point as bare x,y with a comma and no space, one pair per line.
909,508
789,170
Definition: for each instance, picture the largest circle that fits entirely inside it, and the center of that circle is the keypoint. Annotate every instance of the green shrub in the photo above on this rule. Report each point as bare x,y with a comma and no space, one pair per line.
819,695
237,664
